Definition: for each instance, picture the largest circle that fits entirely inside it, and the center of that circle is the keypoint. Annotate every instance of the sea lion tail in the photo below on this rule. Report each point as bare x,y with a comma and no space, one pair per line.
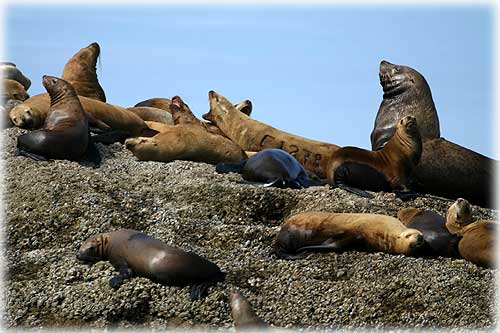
235,167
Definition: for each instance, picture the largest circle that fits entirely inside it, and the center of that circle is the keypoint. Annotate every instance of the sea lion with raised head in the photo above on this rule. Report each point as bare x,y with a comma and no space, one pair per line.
388,169
65,133
445,168
322,231
273,167
244,317
133,253
478,243
11,72
147,113
406,93
80,71
438,240
252,135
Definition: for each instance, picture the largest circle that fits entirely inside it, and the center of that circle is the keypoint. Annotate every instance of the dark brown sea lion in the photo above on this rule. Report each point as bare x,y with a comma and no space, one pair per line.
65,133
190,142
273,167
11,72
80,71
321,231
32,112
243,315
153,114
253,135
406,93
133,253
387,169
438,240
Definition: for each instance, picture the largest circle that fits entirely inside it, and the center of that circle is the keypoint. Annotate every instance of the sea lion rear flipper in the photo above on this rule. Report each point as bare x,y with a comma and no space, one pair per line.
92,154
111,137
235,167
199,291
22,152
96,123
356,191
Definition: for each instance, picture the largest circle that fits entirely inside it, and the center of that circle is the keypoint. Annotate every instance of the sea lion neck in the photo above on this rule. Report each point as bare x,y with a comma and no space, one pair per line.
60,95
105,245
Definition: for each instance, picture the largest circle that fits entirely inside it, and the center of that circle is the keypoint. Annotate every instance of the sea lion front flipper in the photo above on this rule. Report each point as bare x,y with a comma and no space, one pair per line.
92,154
199,291
111,137
22,152
116,281
94,122
330,245
356,191
235,167
406,195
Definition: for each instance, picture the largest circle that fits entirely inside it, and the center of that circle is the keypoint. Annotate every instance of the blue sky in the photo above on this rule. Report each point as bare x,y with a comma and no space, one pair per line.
309,70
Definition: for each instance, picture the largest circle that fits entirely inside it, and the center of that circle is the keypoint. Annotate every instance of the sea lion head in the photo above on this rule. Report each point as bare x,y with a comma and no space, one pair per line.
57,88
244,107
397,79
409,242
93,249
458,215
408,137
27,117
84,61
219,107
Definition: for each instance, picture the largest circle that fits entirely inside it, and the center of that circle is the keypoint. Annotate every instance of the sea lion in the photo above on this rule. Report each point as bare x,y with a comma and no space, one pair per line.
273,167
190,142
438,240
147,113
157,102
32,112
12,89
406,93
80,71
11,72
445,169
253,135
315,231
451,171
458,216
65,133
387,169
133,253
243,315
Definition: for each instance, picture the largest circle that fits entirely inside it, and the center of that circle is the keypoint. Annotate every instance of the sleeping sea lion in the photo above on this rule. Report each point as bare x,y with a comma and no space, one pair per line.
387,169
11,72
81,72
65,133
253,135
438,240
147,113
13,93
321,231
243,315
406,93
157,102
273,167
133,253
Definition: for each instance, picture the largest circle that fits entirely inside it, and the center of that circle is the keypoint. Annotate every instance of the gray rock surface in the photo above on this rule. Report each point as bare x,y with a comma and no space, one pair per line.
51,207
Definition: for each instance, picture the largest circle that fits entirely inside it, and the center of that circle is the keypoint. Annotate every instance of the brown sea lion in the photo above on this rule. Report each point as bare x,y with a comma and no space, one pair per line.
321,231
253,135
11,72
157,102
445,168
272,167
388,169
147,113
190,142
80,71
438,240
133,253
243,315
32,112
458,216
12,89
65,133
406,93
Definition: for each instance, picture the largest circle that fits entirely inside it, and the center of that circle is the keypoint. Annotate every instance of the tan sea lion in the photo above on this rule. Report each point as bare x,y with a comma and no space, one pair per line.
321,231
406,93
65,133
157,102
190,142
253,135
12,89
133,253
147,113
458,216
445,169
11,72
388,169
243,315
438,240
32,112
80,71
